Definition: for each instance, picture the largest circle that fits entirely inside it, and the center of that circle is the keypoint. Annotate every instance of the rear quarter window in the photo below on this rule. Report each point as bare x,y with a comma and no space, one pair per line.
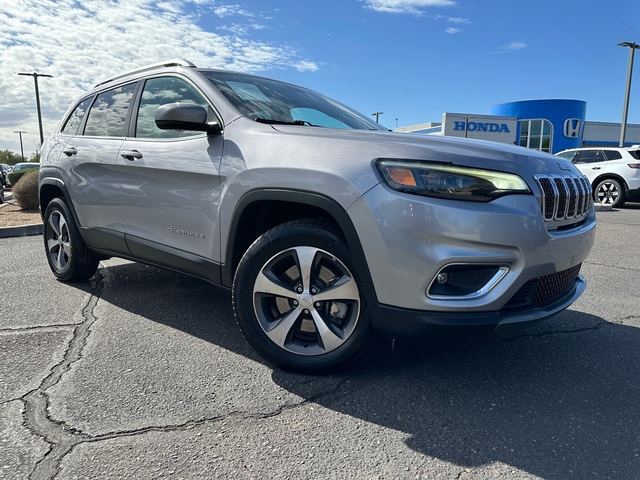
74,121
613,154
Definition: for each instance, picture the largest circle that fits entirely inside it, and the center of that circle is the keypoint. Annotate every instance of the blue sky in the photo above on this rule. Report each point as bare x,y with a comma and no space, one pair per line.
411,59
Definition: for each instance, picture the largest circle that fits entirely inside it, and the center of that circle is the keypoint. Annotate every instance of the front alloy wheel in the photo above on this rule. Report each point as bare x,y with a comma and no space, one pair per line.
610,192
298,302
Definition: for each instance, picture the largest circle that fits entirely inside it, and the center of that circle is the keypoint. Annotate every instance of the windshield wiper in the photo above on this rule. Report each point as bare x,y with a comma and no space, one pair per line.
270,121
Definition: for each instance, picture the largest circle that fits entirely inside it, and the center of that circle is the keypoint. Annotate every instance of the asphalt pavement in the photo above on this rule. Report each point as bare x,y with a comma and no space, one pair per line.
142,373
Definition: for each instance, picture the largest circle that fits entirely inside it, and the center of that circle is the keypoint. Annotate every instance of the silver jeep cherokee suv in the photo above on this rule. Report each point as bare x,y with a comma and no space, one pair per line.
325,225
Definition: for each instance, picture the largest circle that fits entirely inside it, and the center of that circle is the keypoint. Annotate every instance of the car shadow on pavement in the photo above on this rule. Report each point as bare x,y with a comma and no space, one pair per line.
558,401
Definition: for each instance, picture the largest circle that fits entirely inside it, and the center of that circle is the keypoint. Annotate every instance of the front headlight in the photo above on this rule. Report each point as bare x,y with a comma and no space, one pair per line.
449,181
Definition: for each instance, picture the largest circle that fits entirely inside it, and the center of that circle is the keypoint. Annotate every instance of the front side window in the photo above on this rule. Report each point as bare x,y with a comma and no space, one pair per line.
588,156
270,101
158,92
108,115
75,119
567,155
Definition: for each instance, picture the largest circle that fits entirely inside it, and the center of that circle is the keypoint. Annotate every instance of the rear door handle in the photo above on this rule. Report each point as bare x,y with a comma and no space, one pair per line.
131,154
70,151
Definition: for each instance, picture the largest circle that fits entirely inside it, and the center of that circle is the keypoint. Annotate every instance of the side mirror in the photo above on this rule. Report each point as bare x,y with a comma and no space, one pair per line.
185,116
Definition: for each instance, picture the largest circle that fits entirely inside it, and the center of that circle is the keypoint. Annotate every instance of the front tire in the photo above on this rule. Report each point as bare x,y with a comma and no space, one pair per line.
610,192
297,299
68,256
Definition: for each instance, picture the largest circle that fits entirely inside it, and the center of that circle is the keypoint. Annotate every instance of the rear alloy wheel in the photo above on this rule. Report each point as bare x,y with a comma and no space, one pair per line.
69,258
297,299
610,192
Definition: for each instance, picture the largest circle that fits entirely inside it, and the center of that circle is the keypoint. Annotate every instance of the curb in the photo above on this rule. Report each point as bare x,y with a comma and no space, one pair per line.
602,208
21,230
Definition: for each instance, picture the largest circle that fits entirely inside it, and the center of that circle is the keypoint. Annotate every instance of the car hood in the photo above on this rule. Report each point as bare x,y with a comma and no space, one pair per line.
371,145
256,153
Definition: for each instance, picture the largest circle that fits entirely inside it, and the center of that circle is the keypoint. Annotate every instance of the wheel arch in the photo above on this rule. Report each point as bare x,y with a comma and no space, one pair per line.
50,188
608,176
53,187
259,211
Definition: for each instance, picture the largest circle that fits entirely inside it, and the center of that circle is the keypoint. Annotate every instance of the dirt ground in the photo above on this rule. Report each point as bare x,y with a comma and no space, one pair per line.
11,215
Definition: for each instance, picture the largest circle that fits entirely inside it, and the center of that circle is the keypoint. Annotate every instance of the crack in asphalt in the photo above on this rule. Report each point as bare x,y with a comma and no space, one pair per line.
58,435
62,438
39,329
555,332
191,424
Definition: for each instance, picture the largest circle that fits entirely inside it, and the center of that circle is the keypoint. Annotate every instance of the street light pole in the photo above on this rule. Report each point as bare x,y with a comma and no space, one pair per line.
376,114
20,132
35,80
625,107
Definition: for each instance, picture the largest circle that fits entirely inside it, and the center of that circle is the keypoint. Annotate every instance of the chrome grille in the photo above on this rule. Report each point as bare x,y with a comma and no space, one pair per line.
564,197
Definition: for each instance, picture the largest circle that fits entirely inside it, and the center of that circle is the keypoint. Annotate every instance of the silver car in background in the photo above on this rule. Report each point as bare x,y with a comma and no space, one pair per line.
325,226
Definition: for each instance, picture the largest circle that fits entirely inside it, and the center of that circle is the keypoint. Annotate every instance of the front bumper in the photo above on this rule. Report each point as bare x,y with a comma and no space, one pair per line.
414,324
409,241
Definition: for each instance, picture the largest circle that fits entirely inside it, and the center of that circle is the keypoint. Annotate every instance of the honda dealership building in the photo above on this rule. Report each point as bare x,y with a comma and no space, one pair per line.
547,125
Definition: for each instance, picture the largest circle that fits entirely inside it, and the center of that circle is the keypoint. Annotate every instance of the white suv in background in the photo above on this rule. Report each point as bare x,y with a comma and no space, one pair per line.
614,173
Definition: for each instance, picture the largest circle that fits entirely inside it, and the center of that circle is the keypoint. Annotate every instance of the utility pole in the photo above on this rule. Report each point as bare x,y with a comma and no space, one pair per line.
625,107
35,80
377,115
20,132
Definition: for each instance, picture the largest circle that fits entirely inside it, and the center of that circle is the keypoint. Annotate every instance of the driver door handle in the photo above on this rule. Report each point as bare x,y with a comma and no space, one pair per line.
131,154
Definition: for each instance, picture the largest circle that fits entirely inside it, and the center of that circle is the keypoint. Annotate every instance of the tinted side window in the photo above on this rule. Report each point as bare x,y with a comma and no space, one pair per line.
75,119
160,91
566,155
588,156
613,154
108,114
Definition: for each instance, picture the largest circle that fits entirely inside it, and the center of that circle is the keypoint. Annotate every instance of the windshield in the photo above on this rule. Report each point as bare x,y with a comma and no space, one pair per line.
270,101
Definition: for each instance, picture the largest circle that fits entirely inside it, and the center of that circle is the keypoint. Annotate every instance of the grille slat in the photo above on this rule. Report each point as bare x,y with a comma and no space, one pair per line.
564,197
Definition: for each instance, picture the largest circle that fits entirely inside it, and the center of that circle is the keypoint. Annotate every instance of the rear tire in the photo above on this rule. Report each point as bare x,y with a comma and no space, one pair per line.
69,258
298,301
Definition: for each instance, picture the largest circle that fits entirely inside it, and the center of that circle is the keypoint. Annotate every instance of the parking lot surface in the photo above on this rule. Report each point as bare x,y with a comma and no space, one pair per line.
143,373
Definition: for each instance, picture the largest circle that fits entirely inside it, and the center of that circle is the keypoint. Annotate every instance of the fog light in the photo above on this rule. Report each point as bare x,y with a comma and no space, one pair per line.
464,281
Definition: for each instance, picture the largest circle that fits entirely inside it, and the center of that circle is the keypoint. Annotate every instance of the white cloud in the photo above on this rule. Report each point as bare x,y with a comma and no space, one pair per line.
452,30
457,20
511,47
306,66
414,7
228,10
80,42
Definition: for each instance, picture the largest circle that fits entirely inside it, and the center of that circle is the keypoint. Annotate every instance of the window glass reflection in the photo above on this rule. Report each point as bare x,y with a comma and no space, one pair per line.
75,119
158,92
108,114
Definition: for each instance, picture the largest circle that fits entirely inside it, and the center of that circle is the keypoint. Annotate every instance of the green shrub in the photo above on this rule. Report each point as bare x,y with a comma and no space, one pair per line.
26,190
15,176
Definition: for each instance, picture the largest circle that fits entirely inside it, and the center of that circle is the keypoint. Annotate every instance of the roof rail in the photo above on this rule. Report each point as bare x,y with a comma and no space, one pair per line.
169,63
